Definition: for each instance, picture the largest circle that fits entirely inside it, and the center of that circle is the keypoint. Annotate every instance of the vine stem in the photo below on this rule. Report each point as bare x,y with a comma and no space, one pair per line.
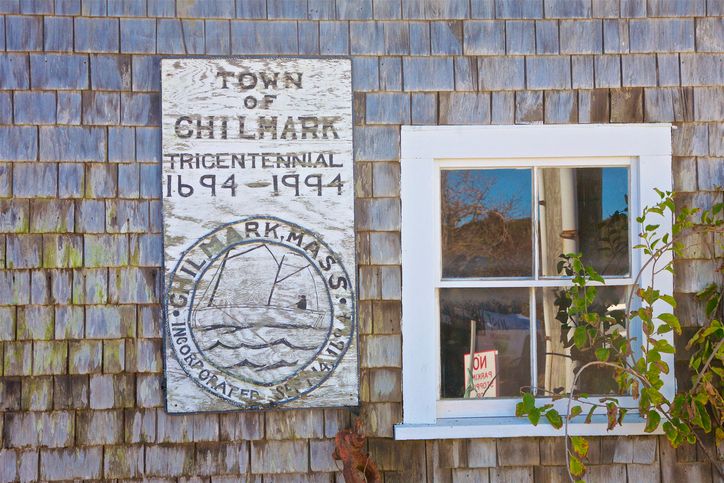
708,362
571,393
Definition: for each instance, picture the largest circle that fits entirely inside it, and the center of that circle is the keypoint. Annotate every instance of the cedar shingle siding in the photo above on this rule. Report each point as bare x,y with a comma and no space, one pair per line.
80,212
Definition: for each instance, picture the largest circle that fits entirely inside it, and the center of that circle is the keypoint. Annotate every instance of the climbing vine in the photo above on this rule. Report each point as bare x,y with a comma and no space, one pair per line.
637,364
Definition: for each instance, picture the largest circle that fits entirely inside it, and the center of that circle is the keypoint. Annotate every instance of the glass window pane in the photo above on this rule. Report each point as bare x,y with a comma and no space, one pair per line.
486,223
558,359
584,210
494,325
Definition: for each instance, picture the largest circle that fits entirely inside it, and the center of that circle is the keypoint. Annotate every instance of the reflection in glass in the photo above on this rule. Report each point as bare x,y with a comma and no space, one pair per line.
486,223
559,360
584,210
499,321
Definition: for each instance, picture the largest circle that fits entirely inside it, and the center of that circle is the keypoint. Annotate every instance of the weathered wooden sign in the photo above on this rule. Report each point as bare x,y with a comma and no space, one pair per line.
259,234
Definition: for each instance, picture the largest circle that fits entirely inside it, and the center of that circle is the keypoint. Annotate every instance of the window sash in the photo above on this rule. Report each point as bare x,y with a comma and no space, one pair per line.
534,164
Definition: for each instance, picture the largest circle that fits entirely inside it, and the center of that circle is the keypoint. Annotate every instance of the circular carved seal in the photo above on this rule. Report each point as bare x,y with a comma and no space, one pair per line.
259,312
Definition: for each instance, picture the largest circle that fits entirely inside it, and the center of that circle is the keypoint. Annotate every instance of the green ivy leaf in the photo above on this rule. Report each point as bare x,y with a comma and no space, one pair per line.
671,433
580,445
669,300
576,467
652,421
534,416
528,401
580,337
575,411
589,416
672,320
602,354
554,418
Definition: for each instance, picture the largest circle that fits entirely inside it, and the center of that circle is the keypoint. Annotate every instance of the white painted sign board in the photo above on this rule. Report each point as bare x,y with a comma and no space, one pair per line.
485,371
259,249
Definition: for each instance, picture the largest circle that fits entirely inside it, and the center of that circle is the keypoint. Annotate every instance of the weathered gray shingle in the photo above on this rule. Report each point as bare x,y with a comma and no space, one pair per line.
34,107
14,71
615,36
72,144
366,38
334,38
661,35
58,34
546,37
96,34
138,35
561,107
390,73
377,143
111,72
201,8
582,72
607,70
396,38
81,463
501,73
435,9
127,8
520,37
365,73
146,73
70,180
581,37
101,108
148,144
447,38
264,37
67,7
428,74
24,33
482,37
387,9
140,109
218,37
35,180
702,69
464,108
710,34
638,70
548,72
321,10
528,107
709,104
519,9
567,8
69,108
180,36
466,74
388,108
424,109
18,143
59,71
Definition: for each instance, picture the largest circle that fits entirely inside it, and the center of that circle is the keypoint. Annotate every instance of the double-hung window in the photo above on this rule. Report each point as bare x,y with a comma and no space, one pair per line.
486,213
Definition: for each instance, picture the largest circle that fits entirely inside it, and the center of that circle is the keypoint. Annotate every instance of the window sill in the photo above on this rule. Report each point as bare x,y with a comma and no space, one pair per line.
512,427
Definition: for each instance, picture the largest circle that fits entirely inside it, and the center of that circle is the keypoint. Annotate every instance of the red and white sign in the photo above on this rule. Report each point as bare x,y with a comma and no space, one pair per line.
485,370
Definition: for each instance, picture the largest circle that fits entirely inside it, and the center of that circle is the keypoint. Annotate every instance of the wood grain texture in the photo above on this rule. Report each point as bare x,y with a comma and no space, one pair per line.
259,245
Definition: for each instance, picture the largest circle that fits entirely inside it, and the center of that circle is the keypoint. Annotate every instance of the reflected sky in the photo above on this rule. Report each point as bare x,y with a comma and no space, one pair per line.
615,189
502,185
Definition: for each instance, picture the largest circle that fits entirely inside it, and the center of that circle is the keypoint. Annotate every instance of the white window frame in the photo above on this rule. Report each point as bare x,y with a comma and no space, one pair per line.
644,148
